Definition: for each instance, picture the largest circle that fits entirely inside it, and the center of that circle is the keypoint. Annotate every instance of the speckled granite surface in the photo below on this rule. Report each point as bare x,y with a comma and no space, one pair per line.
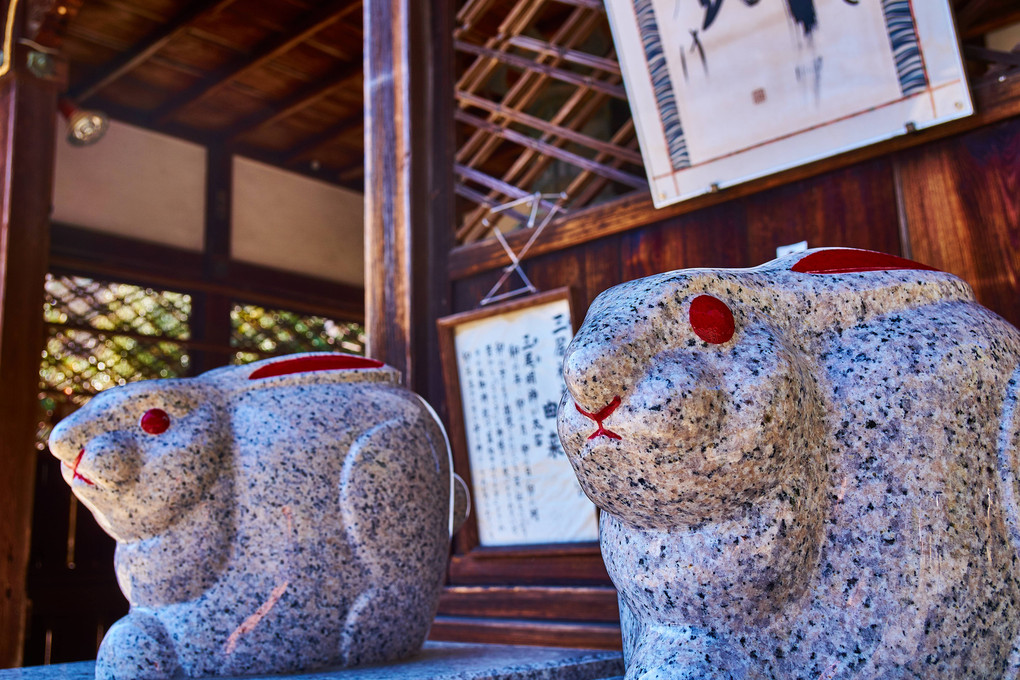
286,515
438,661
815,479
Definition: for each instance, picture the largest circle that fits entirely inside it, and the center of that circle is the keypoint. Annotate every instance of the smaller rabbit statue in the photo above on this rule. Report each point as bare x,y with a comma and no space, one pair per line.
290,514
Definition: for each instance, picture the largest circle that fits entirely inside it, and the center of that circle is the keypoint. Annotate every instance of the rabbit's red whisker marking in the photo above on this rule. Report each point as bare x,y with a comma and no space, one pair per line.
77,475
601,415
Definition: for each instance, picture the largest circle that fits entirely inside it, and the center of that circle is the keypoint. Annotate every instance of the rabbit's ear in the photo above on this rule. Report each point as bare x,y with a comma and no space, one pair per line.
313,368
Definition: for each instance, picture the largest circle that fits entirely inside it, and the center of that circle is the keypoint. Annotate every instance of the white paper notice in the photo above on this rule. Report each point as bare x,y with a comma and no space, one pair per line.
525,491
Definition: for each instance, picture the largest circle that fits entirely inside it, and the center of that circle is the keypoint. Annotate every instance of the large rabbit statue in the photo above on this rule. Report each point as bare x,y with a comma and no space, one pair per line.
807,470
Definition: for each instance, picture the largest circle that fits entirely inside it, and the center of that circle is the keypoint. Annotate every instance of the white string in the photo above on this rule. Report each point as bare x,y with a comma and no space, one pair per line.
515,258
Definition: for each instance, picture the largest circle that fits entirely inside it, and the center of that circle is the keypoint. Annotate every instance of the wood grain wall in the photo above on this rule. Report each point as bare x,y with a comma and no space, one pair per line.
854,207
961,205
952,203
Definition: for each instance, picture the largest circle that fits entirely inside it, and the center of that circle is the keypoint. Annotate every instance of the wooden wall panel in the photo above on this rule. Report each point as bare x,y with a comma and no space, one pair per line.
586,603
524,632
714,237
961,201
852,207
603,267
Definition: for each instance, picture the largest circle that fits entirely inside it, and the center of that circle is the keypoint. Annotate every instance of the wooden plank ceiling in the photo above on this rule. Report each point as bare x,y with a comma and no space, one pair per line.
276,80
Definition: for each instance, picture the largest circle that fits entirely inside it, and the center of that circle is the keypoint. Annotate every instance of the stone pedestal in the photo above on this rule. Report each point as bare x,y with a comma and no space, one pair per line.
436,661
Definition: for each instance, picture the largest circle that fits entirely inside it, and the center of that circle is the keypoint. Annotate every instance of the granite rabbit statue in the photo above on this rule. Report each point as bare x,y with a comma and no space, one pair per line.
290,514
807,470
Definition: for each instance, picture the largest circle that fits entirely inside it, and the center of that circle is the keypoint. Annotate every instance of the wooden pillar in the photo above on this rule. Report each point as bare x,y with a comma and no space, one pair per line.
408,183
211,311
28,107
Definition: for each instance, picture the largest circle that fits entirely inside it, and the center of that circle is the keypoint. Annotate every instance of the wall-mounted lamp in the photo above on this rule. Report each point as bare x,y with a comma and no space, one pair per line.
84,127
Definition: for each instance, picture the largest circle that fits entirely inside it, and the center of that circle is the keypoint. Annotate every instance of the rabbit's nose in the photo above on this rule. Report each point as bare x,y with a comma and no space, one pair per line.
63,442
599,417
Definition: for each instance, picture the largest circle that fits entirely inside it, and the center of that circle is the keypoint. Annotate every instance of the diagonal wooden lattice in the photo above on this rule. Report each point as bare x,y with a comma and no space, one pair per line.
102,334
86,304
540,108
258,332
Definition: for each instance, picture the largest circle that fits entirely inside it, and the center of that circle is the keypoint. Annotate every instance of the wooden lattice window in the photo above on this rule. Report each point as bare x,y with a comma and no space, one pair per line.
258,332
101,334
541,108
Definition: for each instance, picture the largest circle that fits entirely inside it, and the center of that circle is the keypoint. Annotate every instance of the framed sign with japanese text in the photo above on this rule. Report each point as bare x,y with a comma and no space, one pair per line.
502,368
725,91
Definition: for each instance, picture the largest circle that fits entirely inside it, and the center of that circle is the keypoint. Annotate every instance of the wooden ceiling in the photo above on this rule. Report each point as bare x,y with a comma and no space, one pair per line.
275,80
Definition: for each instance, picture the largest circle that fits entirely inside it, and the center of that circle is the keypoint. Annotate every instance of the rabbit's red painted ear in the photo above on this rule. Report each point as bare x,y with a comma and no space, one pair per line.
711,319
155,421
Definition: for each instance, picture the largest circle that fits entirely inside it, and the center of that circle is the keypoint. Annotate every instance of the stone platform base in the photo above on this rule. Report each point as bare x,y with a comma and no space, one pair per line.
437,661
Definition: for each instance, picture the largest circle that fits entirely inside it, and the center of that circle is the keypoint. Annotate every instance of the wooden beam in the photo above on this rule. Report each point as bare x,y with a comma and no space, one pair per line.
552,150
590,4
977,17
147,48
528,64
49,19
300,100
210,318
1011,59
551,129
85,252
409,143
28,111
1000,20
331,12
333,132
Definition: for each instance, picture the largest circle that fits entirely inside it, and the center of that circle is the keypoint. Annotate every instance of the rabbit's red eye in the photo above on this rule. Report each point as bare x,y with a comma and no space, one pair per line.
711,319
155,421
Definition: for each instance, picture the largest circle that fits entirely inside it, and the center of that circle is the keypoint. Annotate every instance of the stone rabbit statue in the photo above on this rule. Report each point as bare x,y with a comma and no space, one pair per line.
807,470
290,514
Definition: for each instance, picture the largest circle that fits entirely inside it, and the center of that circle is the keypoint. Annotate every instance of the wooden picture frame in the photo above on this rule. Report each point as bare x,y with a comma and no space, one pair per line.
546,563
727,92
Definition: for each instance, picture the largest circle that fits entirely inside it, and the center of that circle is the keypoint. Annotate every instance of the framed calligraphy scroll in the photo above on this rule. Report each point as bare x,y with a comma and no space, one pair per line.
725,91
502,367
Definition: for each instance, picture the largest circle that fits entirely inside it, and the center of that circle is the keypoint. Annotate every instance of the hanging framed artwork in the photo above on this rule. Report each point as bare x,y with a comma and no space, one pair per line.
725,91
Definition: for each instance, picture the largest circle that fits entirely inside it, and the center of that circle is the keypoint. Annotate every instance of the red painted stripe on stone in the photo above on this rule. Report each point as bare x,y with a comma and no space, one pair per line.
332,362
850,260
